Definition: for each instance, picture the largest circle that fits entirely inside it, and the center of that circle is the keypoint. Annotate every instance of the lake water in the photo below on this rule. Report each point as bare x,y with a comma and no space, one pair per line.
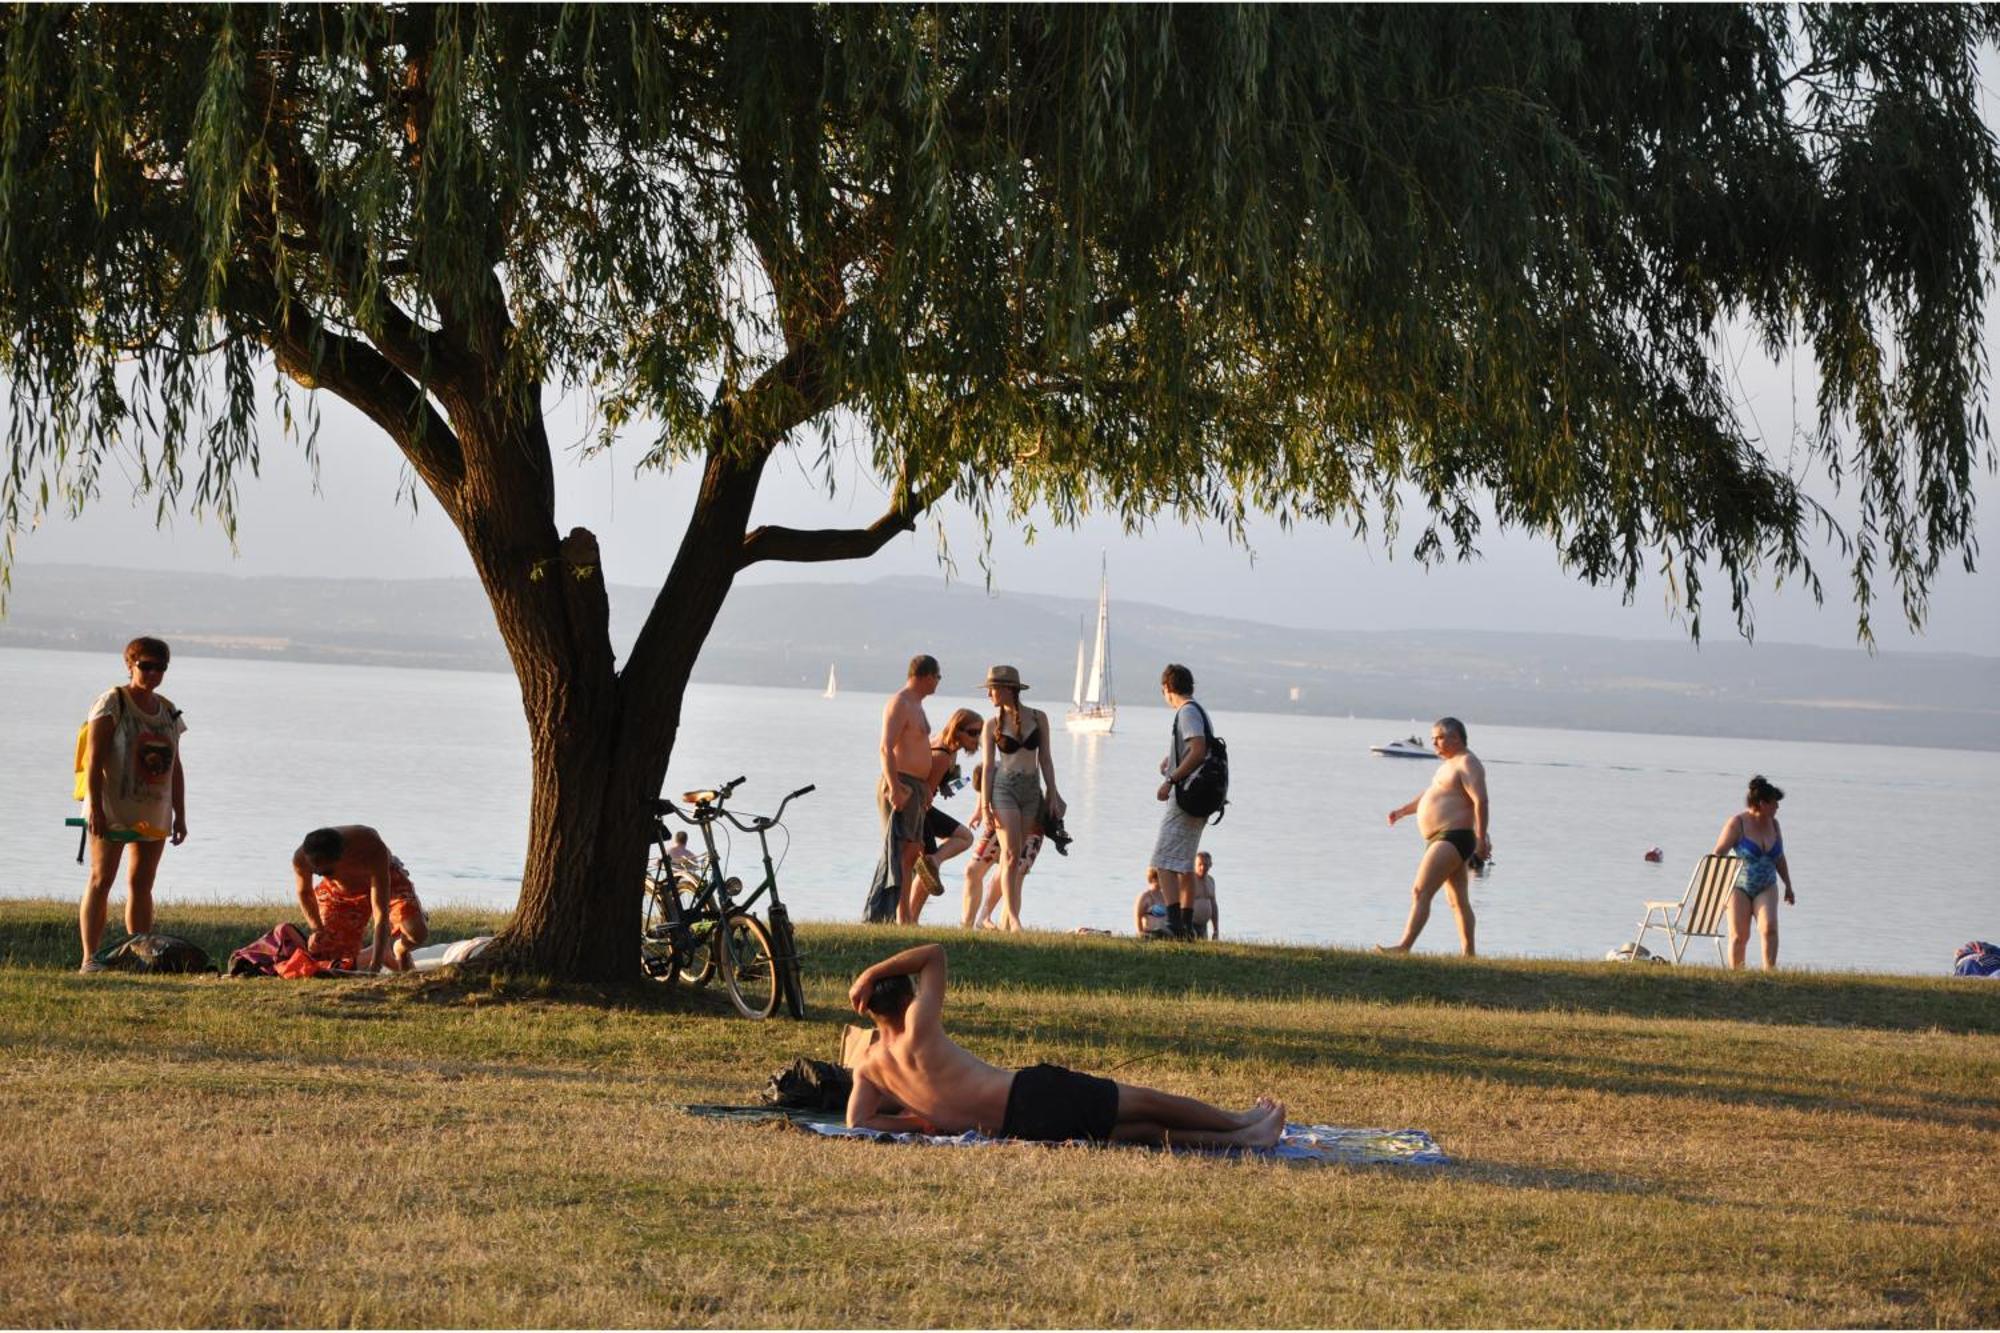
1878,837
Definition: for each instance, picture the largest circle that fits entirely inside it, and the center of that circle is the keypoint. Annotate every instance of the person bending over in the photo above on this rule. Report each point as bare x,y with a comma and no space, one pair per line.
915,1078
360,879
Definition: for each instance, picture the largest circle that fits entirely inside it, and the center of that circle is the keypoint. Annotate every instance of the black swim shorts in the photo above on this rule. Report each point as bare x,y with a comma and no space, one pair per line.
938,826
1050,1104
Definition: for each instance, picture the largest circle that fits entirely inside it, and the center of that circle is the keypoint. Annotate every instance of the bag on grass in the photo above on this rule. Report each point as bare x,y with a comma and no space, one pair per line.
155,953
262,956
810,1085
1977,958
1205,791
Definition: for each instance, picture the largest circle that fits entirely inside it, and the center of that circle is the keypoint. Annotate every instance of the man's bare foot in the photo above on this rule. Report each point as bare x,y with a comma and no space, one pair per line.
1266,1126
1392,948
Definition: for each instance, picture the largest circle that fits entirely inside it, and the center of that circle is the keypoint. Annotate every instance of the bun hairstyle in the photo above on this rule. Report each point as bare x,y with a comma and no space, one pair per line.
1762,790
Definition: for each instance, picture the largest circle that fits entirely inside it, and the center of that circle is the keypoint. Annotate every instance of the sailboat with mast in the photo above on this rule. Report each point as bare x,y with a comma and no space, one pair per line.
832,683
1093,709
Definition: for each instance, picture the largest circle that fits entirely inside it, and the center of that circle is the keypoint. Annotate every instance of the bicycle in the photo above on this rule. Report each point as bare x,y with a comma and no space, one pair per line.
696,930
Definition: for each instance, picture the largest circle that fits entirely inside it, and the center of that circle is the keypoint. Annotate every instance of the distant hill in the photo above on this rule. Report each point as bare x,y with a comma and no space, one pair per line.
787,634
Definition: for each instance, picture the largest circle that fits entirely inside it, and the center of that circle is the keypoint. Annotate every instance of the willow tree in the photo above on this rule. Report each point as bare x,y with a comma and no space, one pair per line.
1332,264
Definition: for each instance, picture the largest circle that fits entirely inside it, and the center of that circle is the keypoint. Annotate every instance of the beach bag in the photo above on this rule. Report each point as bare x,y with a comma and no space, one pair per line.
810,1085
1977,959
155,953
1205,791
80,788
263,955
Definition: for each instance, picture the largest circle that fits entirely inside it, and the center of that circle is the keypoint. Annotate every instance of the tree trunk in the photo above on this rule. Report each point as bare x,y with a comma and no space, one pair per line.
599,740
597,756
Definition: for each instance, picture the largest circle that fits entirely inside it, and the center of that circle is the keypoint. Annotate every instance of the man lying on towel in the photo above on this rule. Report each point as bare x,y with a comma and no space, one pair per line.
917,1079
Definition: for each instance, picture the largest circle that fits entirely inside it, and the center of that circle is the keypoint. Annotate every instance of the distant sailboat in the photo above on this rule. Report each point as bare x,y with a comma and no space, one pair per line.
1093,710
832,683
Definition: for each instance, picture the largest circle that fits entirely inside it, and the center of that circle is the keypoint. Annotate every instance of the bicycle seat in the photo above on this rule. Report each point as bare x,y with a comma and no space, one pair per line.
701,797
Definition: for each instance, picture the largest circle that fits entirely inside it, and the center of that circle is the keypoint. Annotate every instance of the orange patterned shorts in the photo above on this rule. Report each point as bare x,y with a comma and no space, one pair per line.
345,916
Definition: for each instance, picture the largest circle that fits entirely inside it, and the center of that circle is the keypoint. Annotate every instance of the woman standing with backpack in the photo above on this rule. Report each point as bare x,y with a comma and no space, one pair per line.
134,792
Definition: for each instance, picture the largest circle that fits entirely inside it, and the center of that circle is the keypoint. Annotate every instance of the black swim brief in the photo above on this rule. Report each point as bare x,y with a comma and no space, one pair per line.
1050,1104
1463,841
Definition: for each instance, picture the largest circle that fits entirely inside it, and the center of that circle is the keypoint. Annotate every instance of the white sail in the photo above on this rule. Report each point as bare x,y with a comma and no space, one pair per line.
1094,710
832,683
1100,666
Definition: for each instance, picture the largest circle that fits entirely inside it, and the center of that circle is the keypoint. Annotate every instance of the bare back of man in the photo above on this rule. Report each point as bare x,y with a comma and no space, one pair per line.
360,882
915,1078
1452,815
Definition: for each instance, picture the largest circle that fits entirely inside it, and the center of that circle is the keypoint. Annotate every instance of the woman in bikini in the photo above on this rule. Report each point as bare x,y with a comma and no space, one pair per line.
1753,837
944,837
1017,782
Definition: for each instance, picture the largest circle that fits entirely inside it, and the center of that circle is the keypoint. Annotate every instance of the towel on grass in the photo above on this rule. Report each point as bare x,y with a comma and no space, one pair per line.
1309,1144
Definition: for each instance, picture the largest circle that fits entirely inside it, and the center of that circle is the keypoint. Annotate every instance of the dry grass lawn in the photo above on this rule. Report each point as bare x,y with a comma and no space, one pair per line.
1633,1147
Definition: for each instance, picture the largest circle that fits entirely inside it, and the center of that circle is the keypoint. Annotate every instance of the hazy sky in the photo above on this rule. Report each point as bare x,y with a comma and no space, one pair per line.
1314,577
1318,577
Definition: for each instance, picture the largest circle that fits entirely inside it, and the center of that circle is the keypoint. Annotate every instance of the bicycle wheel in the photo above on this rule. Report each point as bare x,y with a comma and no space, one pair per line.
697,952
749,970
656,942
787,945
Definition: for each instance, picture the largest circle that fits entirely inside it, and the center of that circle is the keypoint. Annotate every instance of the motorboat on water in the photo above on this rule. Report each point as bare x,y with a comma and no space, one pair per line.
1092,710
1409,748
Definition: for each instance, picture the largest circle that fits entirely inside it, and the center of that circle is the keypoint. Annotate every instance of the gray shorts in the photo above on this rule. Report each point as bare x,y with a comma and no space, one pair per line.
1179,840
1020,791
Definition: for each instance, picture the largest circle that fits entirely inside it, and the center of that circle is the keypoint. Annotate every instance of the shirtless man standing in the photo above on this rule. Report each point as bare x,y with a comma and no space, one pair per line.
360,878
1452,814
917,1079
903,789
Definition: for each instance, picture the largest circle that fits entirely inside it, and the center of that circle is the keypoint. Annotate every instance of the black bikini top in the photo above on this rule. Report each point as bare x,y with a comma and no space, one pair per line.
1008,745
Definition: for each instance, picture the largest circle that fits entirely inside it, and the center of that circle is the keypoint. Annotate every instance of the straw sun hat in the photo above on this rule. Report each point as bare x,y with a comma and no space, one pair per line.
1005,675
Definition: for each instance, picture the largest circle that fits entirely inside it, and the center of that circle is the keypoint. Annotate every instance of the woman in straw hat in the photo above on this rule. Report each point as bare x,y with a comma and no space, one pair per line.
1017,783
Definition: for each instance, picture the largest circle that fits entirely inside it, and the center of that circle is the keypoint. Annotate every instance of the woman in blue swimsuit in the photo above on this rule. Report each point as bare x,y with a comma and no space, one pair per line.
1752,836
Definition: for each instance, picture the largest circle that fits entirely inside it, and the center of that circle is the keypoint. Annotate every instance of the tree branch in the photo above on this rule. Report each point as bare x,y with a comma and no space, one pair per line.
318,358
302,189
804,545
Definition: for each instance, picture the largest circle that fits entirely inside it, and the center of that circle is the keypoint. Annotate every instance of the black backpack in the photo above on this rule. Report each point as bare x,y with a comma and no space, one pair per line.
810,1085
1204,792
155,953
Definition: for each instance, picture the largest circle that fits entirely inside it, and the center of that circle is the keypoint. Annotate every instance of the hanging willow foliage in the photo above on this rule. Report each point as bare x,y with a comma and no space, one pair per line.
1205,260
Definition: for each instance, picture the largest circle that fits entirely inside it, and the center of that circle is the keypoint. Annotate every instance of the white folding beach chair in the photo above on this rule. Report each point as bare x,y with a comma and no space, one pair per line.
1700,912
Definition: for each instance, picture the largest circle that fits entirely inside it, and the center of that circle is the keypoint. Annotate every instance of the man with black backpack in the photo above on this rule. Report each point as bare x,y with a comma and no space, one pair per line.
1196,787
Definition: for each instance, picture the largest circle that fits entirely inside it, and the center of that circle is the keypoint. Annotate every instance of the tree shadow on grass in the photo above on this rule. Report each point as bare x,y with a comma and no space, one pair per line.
1270,972
1709,1080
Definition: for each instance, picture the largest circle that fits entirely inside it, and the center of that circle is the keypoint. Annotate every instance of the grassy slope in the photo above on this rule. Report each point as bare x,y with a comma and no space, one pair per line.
1634,1146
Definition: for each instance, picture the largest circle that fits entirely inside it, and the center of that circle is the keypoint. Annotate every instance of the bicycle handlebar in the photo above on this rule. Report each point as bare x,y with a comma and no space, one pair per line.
712,808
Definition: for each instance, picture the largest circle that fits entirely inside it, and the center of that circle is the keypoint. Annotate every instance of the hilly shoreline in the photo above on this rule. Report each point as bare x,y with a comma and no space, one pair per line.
787,635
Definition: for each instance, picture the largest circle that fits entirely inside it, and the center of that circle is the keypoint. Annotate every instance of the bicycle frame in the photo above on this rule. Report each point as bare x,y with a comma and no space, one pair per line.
715,900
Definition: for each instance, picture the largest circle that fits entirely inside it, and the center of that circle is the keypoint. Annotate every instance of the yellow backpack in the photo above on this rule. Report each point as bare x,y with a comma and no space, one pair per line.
82,785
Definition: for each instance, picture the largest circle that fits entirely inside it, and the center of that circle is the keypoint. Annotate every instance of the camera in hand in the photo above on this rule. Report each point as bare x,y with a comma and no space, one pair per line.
1053,830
